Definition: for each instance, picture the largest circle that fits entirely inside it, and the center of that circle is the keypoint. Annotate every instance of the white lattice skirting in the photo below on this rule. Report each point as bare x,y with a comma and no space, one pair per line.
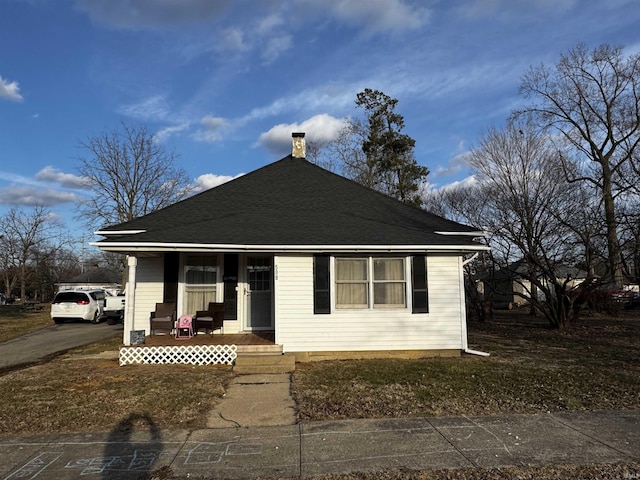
185,354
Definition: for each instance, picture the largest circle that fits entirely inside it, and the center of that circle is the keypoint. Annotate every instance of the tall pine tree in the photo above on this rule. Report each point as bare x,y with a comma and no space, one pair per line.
389,152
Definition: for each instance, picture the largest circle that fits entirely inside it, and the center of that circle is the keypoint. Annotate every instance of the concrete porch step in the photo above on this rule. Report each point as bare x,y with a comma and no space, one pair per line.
257,363
259,349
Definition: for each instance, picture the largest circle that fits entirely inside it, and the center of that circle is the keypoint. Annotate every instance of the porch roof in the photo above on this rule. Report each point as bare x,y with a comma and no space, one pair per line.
291,202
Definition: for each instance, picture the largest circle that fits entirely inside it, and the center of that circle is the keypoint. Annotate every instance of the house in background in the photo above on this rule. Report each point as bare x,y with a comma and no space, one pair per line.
511,286
332,268
97,277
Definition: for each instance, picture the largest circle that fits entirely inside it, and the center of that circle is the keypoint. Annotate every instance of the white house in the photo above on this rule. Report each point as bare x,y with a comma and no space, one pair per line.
327,265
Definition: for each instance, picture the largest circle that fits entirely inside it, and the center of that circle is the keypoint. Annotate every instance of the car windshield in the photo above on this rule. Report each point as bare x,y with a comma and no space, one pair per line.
72,297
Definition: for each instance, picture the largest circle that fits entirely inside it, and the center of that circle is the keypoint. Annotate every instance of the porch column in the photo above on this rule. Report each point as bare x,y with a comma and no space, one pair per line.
130,300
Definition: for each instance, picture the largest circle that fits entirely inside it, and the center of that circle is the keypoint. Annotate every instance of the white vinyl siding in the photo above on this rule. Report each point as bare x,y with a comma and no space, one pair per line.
149,290
299,330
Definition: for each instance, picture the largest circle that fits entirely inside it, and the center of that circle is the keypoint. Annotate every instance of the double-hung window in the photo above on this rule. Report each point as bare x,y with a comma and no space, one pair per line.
389,287
370,282
200,282
352,283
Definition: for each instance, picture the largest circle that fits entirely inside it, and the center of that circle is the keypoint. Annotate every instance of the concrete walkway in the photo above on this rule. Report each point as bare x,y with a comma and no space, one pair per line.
255,401
252,434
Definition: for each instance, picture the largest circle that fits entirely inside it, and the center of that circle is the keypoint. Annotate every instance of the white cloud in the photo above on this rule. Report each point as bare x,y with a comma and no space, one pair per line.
210,180
66,180
469,181
153,108
232,39
511,10
454,166
270,23
324,97
152,14
34,196
319,129
164,134
375,16
10,90
264,35
275,47
12,177
214,129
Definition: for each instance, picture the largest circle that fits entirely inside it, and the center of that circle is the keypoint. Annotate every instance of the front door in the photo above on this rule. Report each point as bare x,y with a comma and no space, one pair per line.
259,293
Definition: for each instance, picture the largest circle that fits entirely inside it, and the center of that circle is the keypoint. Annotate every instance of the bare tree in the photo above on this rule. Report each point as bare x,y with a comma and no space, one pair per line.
465,203
130,175
24,233
526,207
592,98
52,265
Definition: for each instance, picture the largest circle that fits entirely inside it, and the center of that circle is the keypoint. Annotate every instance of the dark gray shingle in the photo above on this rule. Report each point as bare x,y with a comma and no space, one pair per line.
292,202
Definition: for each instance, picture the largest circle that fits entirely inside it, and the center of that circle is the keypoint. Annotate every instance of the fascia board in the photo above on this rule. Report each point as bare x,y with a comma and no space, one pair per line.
191,247
106,233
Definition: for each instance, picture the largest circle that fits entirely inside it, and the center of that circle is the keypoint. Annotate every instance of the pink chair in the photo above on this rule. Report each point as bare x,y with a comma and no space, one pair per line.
184,328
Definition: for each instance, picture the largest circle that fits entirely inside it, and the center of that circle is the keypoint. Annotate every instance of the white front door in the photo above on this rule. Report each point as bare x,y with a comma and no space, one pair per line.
259,293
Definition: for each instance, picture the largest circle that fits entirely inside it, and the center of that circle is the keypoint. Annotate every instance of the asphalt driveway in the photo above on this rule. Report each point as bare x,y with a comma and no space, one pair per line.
56,339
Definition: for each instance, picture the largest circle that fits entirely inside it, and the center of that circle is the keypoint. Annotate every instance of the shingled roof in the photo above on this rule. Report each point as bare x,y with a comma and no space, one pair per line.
288,203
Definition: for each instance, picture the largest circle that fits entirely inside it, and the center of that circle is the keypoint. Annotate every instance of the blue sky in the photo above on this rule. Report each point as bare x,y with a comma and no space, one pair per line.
223,83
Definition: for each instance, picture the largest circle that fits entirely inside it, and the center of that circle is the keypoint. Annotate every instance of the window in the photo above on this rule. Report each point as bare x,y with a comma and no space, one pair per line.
200,278
388,282
370,282
352,282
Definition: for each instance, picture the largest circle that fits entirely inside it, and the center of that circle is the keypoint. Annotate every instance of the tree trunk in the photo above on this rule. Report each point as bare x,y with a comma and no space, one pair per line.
613,242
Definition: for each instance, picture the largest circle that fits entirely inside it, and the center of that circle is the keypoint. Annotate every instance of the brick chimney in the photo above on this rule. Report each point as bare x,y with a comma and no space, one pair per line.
299,148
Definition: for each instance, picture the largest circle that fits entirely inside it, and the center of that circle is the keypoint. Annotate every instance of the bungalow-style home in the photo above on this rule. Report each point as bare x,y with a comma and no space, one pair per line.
327,265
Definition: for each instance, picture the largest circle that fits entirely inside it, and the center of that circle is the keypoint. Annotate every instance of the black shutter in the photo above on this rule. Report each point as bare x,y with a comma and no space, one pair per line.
321,293
171,270
230,279
419,284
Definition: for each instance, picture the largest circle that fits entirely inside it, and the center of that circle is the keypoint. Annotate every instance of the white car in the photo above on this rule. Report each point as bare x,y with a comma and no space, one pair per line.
114,308
79,305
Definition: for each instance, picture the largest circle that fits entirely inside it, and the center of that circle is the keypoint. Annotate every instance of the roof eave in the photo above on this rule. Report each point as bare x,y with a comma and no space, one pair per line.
106,233
194,247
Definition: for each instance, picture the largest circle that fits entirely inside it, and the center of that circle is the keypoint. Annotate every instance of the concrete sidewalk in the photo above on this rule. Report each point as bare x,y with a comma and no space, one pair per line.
253,433
330,447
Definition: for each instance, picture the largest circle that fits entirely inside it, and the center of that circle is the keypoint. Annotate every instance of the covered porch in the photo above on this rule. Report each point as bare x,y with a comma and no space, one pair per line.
249,342
201,349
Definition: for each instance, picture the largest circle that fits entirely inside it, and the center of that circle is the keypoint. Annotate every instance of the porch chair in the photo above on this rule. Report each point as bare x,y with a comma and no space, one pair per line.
210,319
164,317
184,327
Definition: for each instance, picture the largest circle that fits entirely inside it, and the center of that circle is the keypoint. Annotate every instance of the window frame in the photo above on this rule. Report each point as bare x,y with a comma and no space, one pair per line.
371,283
214,288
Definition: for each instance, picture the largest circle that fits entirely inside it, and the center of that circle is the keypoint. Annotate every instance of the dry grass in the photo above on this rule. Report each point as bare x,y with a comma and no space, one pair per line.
14,322
79,394
531,369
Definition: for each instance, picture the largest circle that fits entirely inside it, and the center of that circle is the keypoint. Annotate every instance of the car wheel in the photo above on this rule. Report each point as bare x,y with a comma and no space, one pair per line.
58,320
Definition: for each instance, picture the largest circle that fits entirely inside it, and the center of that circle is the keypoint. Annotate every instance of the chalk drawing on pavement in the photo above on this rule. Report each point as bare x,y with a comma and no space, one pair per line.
204,453
139,460
35,466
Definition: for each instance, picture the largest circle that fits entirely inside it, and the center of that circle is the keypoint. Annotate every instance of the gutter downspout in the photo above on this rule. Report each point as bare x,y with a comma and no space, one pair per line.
476,352
466,349
473,257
